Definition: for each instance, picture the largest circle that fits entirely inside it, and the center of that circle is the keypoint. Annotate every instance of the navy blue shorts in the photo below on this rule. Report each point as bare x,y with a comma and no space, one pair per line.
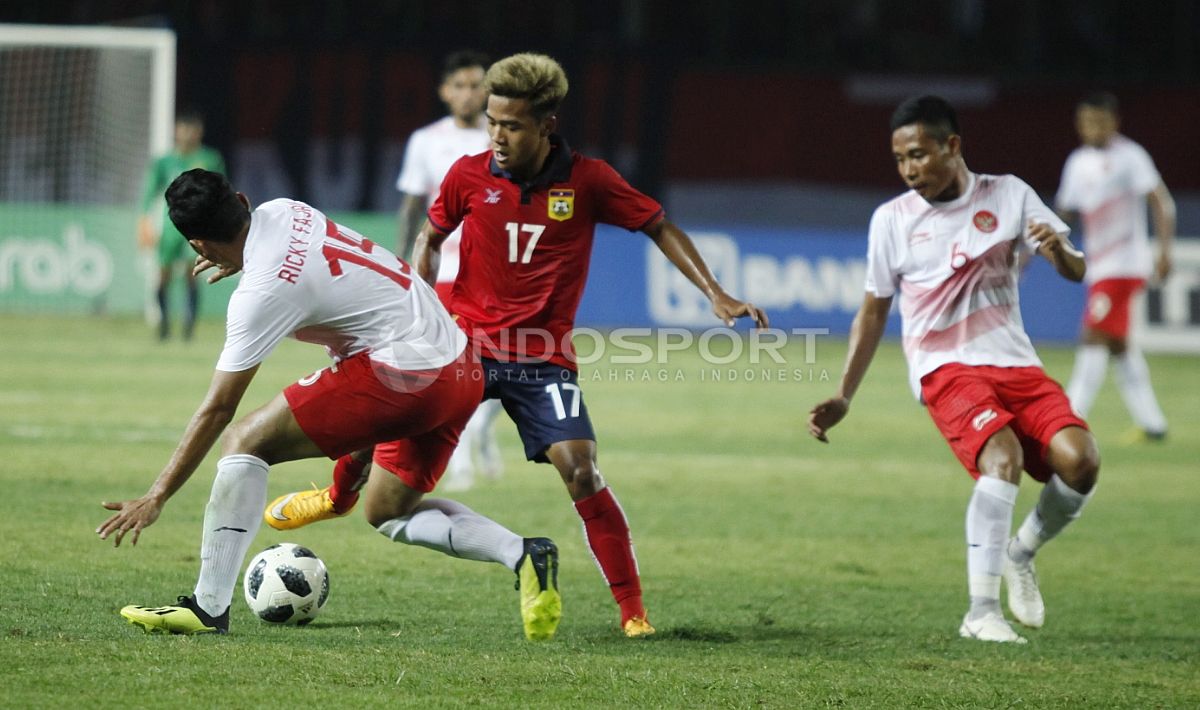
543,399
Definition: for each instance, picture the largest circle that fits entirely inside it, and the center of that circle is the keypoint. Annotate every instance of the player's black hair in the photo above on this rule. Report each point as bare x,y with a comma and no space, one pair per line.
1103,100
464,59
203,205
189,115
933,112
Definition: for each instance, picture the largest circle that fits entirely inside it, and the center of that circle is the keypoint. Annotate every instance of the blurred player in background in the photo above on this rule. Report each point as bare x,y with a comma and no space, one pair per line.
156,230
1107,183
528,211
403,381
430,153
950,247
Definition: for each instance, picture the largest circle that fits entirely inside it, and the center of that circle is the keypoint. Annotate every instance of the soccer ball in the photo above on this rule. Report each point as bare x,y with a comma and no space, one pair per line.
286,584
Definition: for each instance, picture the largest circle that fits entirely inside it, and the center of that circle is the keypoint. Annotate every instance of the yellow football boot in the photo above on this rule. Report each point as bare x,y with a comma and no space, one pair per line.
537,579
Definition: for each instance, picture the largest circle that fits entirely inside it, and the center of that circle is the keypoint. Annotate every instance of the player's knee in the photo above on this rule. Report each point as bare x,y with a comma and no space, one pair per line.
1006,465
582,478
1082,468
237,440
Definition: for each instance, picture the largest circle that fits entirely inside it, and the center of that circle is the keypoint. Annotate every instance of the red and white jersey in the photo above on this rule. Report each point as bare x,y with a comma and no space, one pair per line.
427,158
955,265
1108,188
526,247
320,282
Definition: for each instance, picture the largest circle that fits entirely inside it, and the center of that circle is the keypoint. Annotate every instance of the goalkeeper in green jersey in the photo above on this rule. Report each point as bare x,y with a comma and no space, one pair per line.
155,229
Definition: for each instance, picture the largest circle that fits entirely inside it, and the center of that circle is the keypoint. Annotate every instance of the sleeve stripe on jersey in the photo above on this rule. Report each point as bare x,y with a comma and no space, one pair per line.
444,230
658,216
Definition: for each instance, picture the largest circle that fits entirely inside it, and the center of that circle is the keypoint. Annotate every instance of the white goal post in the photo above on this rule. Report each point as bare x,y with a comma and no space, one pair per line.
82,112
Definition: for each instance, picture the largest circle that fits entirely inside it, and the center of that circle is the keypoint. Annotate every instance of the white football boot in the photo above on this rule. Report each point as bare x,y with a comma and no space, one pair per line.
989,627
1024,597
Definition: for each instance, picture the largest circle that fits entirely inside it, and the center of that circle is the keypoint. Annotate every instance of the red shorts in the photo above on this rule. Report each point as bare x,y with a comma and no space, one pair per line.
971,403
1108,302
413,417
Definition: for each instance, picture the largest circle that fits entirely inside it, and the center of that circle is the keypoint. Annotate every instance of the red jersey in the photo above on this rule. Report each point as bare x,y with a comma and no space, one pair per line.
526,247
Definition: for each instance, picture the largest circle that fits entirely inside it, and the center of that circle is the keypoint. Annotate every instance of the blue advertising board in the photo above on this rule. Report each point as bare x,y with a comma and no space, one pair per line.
803,278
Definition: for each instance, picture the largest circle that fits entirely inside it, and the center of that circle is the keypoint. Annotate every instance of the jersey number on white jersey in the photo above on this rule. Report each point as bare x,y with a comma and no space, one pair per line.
335,252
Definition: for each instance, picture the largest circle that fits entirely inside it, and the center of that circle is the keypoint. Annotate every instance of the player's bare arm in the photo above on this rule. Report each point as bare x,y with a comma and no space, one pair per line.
1162,214
865,335
1058,250
681,251
214,414
427,252
409,219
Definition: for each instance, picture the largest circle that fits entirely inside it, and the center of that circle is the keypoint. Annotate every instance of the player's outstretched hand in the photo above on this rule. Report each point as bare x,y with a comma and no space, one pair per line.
132,516
1162,267
729,309
826,415
203,265
1049,241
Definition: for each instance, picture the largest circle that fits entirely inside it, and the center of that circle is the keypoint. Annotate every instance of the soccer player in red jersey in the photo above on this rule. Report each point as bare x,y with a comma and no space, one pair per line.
528,210
950,248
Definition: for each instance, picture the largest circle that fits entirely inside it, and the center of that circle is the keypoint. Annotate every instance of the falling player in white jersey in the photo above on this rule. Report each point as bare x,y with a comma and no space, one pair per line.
430,153
402,383
1107,183
950,247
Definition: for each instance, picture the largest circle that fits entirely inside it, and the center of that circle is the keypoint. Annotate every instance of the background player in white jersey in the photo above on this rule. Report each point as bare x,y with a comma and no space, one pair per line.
950,246
402,382
430,153
1108,182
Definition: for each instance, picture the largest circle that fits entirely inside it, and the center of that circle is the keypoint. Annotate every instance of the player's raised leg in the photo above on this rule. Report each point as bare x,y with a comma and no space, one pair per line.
405,471
266,436
295,510
1074,455
989,519
606,529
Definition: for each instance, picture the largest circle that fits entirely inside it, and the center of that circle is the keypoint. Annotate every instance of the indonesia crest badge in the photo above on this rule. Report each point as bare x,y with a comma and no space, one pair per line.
561,205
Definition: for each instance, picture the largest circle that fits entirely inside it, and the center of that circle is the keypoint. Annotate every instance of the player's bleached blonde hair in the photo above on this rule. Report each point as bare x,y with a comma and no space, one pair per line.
536,78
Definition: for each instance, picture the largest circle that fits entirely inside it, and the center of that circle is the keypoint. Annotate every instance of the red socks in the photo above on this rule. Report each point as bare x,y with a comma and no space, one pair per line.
347,479
608,535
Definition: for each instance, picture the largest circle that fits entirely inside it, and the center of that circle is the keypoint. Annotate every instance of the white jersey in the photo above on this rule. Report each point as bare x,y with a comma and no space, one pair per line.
1108,188
308,277
430,153
955,264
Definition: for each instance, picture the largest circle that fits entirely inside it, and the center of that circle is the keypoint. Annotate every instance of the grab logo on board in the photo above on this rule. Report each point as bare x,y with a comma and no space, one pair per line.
776,283
44,266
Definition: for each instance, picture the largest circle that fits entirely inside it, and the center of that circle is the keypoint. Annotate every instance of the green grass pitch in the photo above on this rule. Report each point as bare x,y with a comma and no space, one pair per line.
779,572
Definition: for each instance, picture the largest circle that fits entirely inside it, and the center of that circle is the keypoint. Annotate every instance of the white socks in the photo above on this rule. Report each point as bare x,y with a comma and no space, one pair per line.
1133,381
1058,506
231,520
458,531
989,518
1091,365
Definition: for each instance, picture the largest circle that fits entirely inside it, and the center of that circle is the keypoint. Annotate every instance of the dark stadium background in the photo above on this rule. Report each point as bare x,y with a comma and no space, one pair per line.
683,94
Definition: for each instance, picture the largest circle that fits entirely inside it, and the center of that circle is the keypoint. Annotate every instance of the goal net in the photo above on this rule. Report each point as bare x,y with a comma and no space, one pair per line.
82,111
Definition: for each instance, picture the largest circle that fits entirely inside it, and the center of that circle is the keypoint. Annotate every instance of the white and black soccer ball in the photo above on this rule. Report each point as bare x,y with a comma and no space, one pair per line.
286,584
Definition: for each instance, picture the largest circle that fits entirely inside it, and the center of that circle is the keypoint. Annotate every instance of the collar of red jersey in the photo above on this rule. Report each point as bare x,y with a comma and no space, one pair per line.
556,169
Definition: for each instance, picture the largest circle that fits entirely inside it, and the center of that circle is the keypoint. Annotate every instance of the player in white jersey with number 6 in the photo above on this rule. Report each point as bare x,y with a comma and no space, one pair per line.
430,152
402,383
950,246
1108,182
